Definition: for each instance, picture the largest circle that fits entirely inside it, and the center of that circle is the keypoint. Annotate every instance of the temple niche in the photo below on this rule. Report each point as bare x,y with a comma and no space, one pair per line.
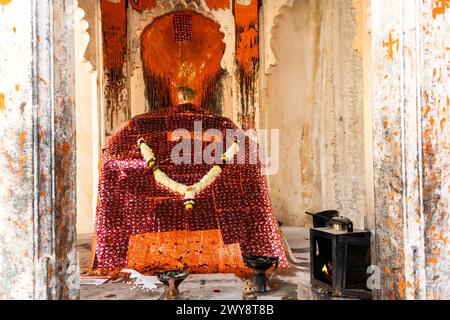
182,65
124,82
181,57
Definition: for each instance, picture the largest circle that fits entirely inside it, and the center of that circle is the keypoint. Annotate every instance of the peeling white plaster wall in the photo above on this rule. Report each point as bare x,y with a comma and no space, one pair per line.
315,96
16,180
38,256
291,87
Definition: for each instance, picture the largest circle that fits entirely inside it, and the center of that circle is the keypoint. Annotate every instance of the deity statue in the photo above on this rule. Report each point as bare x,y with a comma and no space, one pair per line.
162,207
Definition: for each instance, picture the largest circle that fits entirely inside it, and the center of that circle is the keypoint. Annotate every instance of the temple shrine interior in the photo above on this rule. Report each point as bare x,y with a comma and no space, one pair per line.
228,149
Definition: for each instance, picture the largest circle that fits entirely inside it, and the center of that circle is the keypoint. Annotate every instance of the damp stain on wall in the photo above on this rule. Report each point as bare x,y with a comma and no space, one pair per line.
247,54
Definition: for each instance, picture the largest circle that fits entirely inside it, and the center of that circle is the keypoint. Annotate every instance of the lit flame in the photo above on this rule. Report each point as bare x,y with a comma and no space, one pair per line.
325,269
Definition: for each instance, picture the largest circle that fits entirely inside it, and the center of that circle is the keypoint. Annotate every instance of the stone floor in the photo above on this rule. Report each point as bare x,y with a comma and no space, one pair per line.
291,284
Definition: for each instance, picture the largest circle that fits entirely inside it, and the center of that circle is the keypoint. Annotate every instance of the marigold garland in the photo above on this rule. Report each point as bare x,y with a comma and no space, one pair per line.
187,192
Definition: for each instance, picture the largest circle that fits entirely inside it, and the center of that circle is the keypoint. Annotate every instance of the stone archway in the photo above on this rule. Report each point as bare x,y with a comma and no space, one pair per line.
315,98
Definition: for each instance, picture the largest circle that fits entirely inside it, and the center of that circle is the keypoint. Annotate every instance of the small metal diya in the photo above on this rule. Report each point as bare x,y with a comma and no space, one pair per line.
260,265
173,279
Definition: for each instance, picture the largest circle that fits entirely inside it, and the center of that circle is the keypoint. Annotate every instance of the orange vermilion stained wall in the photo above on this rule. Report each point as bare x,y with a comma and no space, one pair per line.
247,26
161,86
247,56
162,57
141,5
218,4
114,26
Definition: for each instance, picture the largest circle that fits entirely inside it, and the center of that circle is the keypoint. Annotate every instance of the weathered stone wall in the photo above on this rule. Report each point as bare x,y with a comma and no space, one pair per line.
315,98
16,151
38,258
411,135
86,91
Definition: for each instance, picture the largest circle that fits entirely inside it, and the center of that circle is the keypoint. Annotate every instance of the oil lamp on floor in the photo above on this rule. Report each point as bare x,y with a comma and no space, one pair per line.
260,265
172,279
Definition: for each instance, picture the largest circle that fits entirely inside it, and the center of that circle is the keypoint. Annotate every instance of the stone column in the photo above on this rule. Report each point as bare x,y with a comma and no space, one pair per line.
411,137
38,258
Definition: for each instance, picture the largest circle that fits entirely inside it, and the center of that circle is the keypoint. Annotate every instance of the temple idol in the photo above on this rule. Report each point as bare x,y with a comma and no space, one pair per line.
156,214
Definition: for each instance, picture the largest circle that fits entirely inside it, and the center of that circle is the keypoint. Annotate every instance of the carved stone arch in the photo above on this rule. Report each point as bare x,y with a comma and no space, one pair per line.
273,10
86,14
164,7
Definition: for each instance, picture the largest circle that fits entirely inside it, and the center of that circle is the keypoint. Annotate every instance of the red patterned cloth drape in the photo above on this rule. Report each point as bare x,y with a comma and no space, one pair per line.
131,203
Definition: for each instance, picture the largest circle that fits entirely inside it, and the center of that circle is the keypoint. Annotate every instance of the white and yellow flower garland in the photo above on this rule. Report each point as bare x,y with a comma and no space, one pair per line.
188,192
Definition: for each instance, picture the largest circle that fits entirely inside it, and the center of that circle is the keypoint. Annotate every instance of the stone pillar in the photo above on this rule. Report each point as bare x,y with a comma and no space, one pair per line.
411,137
38,257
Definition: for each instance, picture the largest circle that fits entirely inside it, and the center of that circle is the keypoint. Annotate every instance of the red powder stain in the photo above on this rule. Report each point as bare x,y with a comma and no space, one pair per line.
2,102
440,7
387,270
23,155
397,151
142,5
246,15
401,288
390,224
5,2
22,138
442,238
218,4
432,260
443,123
66,148
432,121
14,29
247,28
427,111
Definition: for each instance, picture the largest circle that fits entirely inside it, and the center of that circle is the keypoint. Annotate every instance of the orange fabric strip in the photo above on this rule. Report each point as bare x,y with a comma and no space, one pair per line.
202,252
